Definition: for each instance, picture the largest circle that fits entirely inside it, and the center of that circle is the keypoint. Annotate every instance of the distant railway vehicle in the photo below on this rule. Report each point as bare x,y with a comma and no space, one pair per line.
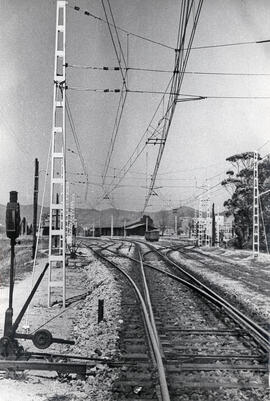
152,235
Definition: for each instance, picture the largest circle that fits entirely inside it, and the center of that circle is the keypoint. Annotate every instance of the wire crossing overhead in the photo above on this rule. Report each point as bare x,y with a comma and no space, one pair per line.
218,45
76,139
159,70
181,59
123,69
138,149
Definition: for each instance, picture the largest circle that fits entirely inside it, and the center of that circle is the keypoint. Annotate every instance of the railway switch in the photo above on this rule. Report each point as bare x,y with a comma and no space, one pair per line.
10,349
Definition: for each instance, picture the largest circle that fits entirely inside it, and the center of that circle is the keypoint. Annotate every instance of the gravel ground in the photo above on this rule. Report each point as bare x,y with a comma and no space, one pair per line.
234,282
79,322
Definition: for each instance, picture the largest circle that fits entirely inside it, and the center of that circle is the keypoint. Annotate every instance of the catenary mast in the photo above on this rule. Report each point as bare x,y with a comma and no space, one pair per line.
57,229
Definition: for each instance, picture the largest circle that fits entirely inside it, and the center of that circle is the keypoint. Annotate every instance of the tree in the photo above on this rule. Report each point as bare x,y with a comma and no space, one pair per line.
240,204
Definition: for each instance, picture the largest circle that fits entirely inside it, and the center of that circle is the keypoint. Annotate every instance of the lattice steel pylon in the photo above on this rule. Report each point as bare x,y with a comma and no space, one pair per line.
207,222
256,226
57,229
194,225
68,216
200,221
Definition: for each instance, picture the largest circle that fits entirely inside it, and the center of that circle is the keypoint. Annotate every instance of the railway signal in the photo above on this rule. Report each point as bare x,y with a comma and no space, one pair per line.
10,349
13,220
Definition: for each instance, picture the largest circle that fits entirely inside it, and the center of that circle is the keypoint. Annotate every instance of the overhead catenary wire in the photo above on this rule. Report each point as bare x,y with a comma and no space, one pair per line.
123,96
138,149
202,47
91,15
223,97
181,59
76,139
113,42
158,70
188,96
163,122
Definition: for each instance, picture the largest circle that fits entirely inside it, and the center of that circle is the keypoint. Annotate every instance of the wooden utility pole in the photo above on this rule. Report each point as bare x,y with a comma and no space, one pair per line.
35,207
111,225
125,231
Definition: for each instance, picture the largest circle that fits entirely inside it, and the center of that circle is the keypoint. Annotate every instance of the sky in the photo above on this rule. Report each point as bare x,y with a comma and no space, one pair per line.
203,133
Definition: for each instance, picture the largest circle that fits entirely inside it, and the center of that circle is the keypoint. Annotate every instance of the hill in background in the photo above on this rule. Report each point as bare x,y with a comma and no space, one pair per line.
87,217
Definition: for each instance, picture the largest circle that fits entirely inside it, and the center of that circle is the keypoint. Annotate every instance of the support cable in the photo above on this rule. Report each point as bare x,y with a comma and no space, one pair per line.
180,65
145,69
137,151
87,13
114,45
123,96
219,45
76,139
191,96
39,230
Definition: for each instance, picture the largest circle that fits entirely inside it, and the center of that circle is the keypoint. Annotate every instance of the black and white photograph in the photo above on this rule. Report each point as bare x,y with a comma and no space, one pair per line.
135,200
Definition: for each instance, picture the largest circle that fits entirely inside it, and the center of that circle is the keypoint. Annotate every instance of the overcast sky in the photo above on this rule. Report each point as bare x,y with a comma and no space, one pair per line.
203,133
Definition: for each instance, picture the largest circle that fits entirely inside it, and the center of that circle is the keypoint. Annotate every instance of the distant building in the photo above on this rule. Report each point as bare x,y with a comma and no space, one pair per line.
136,227
139,227
223,224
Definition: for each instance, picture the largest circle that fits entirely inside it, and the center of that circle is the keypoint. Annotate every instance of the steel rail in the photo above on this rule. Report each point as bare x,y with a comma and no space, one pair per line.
150,329
148,300
259,334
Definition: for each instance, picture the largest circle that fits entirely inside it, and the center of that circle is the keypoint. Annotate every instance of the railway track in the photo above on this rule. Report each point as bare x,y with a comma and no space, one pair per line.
231,270
205,350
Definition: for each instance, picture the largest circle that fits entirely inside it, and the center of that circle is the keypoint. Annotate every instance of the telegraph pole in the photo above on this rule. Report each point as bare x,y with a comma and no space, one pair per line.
125,231
35,207
111,225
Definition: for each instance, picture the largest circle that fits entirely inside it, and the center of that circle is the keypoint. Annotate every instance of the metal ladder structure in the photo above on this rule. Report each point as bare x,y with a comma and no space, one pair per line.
200,225
194,225
208,220
256,227
68,217
57,229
